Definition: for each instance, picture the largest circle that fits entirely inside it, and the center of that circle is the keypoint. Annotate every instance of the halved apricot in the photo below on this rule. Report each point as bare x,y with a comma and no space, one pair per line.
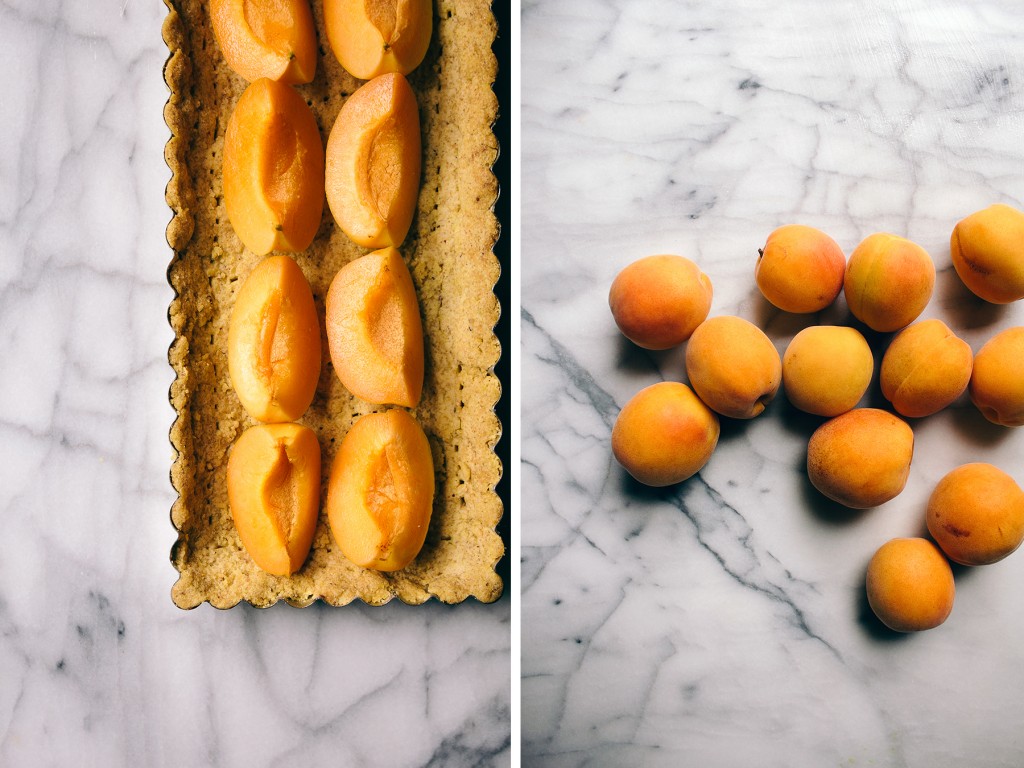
266,38
374,331
373,37
274,342
273,169
381,491
373,162
274,494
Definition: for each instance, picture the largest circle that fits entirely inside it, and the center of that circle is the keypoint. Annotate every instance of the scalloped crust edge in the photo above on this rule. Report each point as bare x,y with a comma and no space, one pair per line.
180,199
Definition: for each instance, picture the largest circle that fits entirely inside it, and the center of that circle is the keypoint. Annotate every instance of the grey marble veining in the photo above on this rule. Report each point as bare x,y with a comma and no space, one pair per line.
97,667
722,622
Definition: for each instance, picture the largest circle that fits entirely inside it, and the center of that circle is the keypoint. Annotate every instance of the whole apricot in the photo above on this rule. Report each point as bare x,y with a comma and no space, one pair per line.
889,281
862,458
925,368
733,366
274,342
372,37
373,162
381,491
910,585
827,369
658,301
374,331
800,269
987,249
273,169
266,39
976,514
274,494
664,434
997,380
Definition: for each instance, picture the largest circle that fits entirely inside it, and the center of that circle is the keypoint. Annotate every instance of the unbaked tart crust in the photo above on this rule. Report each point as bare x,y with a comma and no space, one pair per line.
449,251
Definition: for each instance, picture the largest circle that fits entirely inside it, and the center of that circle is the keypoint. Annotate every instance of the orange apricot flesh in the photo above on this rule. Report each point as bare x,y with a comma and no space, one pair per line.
658,301
827,369
926,368
266,38
664,434
274,494
800,269
910,585
997,378
976,514
381,491
889,281
374,331
733,366
273,169
861,458
986,252
274,342
374,37
373,162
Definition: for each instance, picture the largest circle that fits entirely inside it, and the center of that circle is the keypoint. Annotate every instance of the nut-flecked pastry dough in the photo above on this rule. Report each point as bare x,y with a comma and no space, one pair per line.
449,251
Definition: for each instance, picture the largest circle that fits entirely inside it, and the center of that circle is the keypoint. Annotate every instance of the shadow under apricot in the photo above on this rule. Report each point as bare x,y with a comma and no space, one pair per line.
825,509
822,507
634,489
871,624
729,429
966,310
635,359
969,422
775,322
792,419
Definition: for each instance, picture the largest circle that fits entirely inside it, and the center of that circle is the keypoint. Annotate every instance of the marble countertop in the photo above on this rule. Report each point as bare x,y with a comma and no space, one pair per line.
722,622
97,666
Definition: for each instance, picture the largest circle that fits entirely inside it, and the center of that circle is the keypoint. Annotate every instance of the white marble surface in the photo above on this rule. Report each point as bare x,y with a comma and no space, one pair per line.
722,622
97,667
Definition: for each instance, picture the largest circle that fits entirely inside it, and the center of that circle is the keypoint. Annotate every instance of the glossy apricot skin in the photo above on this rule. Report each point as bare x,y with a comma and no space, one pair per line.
800,269
374,331
658,301
273,169
976,514
275,39
664,434
733,366
274,347
987,250
925,368
910,585
381,491
997,379
862,458
273,482
374,37
889,281
374,161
